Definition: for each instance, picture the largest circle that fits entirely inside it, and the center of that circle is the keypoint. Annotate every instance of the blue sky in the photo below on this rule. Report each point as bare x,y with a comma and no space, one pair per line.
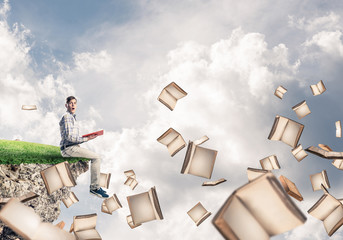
116,56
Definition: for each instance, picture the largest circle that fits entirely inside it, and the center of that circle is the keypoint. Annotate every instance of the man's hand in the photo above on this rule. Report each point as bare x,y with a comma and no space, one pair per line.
91,137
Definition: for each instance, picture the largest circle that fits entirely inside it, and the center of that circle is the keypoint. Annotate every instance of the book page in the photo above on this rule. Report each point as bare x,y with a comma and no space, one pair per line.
321,87
333,219
197,212
64,172
167,99
255,173
269,204
301,109
111,204
52,178
242,222
202,162
48,231
130,173
278,128
300,155
213,183
141,208
315,90
338,163
20,218
175,91
84,222
88,234
316,180
292,133
176,145
68,202
167,137
324,207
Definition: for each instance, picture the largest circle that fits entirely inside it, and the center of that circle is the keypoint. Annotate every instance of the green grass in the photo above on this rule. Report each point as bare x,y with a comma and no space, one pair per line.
16,152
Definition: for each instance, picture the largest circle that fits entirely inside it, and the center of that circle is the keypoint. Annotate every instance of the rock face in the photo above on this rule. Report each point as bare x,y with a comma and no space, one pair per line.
16,180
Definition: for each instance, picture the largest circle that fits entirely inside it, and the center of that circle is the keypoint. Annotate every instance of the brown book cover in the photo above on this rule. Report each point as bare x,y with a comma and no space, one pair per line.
290,188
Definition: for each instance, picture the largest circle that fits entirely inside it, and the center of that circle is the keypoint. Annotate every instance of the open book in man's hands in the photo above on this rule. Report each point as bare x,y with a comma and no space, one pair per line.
98,133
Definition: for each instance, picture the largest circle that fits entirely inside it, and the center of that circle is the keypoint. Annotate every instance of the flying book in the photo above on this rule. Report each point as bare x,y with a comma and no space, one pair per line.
259,209
198,213
131,179
338,163
318,179
24,198
280,91
338,129
130,222
170,94
83,227
173,140
290,188
329,210
254,173
97,133
318,88
105,180
325,147
28,107
25,222
144,207
70,200
57,176
286,130
301,109
111,204
270,163
324,154
299,153
214,183
199,161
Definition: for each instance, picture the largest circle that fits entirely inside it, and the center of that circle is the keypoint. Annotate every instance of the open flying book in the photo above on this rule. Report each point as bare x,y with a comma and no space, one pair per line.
144,207
84,227
97,133
70,200
318,88
28,107
259,209
329,210
199,161
105,179
286,130
270,163
280,91
299,153
24,198
290,188
110,204
131,179
170,94
198,213
57,176
324,154
319,179
25,222
301,109
338,129
214,183
254,173
173,140
338,163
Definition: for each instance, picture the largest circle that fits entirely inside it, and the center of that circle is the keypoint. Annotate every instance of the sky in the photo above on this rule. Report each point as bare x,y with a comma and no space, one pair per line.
229,56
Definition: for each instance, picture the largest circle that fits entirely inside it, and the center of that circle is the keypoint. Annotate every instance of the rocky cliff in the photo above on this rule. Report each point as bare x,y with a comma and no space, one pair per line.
16,180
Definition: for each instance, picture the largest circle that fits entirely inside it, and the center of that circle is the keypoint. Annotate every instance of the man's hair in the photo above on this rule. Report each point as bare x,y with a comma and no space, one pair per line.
70,98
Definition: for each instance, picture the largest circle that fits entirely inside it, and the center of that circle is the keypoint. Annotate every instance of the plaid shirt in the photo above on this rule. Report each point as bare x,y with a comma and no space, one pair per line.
69,129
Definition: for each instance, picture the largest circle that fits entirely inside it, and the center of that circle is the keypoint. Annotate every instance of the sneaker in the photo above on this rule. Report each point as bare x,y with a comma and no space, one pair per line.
99,193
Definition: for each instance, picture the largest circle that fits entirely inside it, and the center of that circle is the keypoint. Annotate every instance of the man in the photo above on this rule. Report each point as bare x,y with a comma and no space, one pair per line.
70,145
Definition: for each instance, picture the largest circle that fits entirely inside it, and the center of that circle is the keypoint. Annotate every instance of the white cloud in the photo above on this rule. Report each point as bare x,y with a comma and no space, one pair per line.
331,21
328,42
98,62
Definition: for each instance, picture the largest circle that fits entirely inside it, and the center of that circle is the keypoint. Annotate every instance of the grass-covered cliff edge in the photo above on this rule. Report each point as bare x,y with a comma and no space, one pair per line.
17,152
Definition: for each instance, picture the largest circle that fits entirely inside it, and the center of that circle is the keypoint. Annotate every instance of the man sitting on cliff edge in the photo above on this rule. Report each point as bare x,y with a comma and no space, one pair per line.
70,145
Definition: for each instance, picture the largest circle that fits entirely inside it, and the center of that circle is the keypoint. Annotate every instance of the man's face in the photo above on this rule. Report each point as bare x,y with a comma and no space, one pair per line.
71,106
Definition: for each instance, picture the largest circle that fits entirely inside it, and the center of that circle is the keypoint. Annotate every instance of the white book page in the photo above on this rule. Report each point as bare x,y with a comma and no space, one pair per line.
269,206
243,223
280,128
176,144
90,234
111,204
53,178
202,162
325,207
141,208
334,217
197,212
290,134
266,164
175,92
63,172
82,223
167,99
167,139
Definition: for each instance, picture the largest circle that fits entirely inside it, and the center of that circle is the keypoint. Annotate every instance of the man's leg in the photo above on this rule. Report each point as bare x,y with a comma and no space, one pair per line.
77,151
